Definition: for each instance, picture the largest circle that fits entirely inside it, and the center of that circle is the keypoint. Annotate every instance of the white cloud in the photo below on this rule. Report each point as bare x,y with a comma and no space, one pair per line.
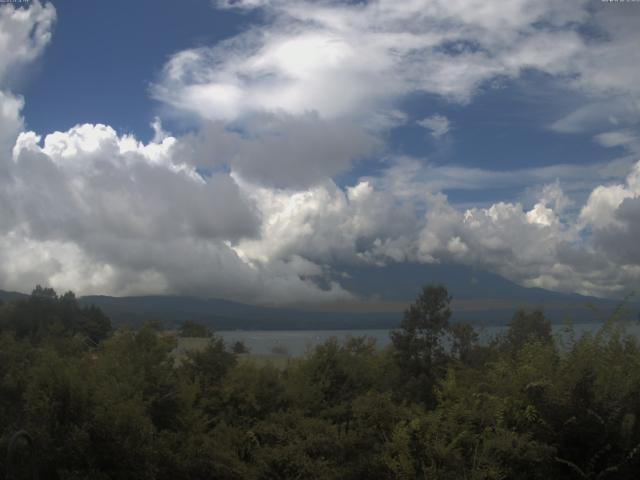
24,33
116,216
378,221
599,115
438,125
330,226
616,138
603,203
413,177
101,213
283,109
11,123
606,68
240,4
355,60
280,151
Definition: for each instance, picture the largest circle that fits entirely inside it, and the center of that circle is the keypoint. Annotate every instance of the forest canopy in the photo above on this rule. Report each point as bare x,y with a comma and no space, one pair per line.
103,404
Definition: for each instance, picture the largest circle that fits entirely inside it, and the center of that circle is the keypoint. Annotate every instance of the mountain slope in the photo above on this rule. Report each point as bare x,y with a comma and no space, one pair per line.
11,296
226,315
404,281
383,294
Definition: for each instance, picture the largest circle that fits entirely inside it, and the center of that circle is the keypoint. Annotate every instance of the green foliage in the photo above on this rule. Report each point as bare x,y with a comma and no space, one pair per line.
45,314
194,329
210,365
239,347
527,327
419,346
432,405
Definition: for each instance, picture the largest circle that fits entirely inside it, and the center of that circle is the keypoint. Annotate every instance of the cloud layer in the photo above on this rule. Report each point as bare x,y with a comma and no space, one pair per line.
342,60
247,206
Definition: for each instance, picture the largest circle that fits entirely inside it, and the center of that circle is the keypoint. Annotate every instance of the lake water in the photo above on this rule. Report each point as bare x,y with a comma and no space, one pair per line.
298,342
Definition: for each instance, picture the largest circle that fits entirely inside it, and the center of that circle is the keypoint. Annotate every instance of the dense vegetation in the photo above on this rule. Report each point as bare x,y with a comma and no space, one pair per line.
104,404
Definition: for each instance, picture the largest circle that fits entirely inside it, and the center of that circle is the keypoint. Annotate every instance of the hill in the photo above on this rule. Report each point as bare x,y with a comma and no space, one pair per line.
11,296
226,315
382,295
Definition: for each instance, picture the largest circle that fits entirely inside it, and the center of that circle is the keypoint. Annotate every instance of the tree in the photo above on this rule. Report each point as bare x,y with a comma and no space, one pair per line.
45,314
44,294
194,329
211,364
417,343
527,327
239,347
94,324
463,341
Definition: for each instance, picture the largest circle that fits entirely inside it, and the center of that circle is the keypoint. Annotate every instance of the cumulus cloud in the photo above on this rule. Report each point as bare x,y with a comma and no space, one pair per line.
247,206
114,215
105,213
590,254
605,200
24,33
11,123
89,179
280,151
332,226
391,218
100,212
621,240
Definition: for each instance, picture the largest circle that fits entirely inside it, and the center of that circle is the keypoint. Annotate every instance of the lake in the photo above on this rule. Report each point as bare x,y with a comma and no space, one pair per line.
298,342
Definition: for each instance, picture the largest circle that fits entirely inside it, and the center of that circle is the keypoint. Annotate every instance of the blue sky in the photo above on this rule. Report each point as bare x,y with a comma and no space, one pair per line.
106,54
292,141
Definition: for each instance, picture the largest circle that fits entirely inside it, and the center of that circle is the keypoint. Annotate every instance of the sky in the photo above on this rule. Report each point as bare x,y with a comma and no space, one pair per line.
259,150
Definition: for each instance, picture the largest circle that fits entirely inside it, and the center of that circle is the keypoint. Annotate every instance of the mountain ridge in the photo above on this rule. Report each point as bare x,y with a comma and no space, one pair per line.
481,298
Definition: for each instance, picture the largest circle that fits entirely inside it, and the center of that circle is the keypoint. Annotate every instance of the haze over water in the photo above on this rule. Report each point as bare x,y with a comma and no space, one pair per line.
299,342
